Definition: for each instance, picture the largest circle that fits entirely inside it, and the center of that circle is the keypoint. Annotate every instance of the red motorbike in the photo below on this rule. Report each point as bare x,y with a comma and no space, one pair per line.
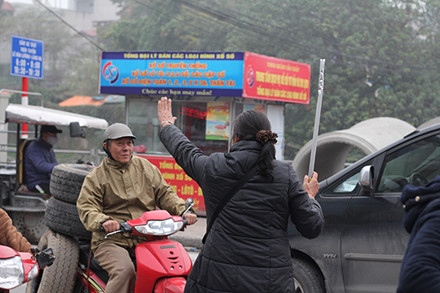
17,268
162,265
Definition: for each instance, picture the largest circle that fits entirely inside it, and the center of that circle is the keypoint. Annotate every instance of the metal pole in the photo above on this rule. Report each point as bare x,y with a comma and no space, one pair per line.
4,100
24,101
317,117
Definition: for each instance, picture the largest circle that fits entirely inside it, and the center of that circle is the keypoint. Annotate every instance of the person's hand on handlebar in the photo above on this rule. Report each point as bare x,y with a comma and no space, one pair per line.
190,218
110,226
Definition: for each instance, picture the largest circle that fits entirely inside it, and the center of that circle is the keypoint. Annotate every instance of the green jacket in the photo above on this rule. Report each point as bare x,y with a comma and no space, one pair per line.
123,192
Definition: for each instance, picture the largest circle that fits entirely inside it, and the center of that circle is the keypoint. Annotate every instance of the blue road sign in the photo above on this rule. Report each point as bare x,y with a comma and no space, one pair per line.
27,57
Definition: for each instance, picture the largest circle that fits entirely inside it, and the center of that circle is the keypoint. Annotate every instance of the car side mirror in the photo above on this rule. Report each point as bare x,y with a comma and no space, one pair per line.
366,180
76,130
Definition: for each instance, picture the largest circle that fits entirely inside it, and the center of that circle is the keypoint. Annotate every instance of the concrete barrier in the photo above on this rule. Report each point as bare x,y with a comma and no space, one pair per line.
334,147
428,123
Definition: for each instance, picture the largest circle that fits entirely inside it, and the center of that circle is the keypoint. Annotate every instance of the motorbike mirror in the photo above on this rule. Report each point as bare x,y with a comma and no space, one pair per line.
189,203
45,258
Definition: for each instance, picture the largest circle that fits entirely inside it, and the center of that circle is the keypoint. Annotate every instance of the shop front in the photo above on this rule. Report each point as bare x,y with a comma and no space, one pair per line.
209,89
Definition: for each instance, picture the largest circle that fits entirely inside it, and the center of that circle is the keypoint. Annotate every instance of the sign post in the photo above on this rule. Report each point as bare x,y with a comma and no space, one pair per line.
317,118
26,61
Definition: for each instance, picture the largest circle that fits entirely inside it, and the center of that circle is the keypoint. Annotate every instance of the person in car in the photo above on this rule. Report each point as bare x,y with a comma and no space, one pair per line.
39,159
122,188
247,249
420,271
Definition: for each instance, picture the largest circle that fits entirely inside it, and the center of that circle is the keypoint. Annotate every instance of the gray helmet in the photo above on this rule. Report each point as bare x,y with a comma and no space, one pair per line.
118,130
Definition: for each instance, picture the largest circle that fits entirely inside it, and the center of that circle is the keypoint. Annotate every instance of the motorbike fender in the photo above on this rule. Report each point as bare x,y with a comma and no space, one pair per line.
28,263
160,259
170,285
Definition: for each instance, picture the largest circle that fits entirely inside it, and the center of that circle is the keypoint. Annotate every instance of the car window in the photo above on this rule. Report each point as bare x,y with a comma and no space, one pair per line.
348,185
416,164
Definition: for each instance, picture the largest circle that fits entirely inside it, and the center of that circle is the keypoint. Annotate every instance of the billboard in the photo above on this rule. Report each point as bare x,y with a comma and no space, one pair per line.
211,74
172,73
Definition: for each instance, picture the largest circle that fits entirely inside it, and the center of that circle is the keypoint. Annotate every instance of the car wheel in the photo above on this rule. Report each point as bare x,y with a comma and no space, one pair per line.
306,277
63,217
66,181
60,276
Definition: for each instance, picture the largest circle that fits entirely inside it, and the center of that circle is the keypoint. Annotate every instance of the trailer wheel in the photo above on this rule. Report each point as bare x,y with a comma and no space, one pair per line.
60,276
66,181
306,277
62,217
31,225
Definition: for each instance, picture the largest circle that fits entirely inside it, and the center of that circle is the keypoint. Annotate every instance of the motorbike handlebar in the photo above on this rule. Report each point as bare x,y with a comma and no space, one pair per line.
124,227
185,223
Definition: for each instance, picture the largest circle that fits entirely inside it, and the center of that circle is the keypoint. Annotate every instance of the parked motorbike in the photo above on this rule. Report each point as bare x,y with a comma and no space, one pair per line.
162,265
17,268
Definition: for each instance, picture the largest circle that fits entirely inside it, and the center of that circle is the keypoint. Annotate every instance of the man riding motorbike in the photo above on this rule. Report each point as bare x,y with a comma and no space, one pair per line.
121,188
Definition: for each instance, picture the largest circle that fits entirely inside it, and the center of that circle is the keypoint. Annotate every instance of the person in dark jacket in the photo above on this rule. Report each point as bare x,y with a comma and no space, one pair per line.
247,249
39,159
420,271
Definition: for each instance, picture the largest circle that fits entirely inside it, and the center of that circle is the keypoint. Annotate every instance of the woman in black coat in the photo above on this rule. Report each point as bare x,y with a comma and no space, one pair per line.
247,249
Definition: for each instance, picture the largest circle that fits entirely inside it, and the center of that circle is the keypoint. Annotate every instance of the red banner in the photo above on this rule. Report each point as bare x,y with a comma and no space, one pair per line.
182,184
269,78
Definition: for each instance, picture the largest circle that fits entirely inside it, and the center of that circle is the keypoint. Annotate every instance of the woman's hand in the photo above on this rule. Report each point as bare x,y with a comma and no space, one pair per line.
311,185
164,112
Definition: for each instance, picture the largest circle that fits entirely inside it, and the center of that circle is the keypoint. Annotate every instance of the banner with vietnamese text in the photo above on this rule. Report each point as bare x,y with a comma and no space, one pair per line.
182,184
172,73
211,74
269,78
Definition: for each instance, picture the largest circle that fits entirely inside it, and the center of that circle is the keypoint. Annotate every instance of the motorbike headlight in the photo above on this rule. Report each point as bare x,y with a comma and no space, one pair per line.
159,228
33,272
11,272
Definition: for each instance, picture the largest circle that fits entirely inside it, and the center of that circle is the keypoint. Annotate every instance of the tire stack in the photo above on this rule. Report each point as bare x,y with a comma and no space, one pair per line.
61,214
65,228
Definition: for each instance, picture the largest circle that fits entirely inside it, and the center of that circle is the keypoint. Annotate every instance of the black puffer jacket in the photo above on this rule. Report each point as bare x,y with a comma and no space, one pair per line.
420,270
247,249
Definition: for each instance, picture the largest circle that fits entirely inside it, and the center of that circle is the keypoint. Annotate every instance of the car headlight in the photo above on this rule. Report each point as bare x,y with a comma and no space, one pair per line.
11,272
159,228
